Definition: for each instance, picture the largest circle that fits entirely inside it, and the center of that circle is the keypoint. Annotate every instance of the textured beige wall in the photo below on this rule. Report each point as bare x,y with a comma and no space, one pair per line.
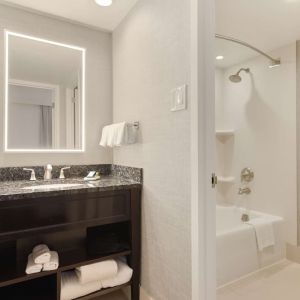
98,79
151,57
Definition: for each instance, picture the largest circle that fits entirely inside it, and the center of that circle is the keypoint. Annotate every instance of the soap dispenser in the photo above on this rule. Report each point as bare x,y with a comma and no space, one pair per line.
48,172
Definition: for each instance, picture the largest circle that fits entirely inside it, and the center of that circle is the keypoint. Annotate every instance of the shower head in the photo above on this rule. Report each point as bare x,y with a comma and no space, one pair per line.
236,77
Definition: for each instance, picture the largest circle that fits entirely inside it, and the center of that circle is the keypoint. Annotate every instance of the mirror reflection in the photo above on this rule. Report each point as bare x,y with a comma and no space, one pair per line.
44,95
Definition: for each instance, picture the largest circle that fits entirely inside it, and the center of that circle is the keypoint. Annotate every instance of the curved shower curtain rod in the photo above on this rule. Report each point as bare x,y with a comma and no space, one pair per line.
275,62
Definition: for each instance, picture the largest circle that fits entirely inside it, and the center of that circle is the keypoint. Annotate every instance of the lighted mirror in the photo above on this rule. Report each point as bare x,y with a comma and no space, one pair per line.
44,99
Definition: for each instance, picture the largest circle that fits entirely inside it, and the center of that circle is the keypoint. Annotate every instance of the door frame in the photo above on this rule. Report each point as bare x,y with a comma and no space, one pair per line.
203,199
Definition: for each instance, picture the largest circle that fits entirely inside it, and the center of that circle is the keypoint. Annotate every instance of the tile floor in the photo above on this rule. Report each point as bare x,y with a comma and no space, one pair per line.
279,282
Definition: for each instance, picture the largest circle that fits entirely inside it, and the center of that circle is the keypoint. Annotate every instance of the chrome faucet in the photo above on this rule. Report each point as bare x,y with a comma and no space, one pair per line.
32,176
244,190
48,172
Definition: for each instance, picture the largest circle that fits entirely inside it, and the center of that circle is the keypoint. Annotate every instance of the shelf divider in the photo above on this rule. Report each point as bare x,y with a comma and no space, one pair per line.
13,274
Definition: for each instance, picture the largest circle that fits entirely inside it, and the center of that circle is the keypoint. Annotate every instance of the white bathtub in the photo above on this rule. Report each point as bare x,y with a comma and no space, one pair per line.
237,253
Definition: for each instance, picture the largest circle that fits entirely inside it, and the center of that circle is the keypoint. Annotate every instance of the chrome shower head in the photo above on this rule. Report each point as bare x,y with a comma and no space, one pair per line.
236,77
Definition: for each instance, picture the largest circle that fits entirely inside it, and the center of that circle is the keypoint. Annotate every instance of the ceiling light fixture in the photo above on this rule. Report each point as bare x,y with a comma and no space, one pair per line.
219,57
104,2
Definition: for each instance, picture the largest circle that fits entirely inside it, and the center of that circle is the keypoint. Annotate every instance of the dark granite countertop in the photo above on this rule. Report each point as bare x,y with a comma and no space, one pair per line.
14,190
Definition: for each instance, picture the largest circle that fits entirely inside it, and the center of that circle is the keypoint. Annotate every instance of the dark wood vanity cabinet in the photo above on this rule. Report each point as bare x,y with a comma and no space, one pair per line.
84,228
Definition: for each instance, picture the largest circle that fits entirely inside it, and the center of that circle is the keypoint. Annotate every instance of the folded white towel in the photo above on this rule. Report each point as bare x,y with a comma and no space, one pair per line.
41,254
118,134
71,288
32,267
124,275
104,137
264,232
53,263
98,271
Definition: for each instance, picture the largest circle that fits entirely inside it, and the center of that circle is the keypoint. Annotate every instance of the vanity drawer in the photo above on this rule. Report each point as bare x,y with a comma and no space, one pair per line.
68,212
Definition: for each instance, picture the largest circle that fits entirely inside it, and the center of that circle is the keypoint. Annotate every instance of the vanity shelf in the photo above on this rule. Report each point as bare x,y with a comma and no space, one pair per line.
15,273
102,292
31,290
69,260
79,240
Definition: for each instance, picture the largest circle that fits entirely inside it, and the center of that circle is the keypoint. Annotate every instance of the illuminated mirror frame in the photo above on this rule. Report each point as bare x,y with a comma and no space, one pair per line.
7,34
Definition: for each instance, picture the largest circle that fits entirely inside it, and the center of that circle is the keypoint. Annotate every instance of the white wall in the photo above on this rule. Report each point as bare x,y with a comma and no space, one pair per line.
262,110
151,57
98,79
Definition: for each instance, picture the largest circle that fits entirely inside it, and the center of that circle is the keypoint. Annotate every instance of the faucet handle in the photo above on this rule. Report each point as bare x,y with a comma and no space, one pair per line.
62,174
244,190
32,177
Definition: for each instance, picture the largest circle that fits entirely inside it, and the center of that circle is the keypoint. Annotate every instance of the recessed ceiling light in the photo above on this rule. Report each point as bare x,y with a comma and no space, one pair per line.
219,57
104,2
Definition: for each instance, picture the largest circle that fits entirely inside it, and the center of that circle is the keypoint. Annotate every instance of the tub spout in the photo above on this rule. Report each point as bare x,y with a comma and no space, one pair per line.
245,218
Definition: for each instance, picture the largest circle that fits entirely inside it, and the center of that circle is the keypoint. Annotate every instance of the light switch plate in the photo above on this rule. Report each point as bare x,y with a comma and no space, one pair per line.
179,97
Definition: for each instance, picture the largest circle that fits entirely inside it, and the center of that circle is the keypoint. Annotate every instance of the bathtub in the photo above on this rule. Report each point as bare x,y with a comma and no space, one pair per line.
237,253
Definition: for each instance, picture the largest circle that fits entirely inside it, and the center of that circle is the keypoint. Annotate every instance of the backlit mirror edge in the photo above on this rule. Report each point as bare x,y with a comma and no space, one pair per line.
8,33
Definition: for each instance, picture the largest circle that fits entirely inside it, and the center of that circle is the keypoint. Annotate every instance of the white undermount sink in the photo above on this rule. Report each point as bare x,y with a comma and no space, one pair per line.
51,186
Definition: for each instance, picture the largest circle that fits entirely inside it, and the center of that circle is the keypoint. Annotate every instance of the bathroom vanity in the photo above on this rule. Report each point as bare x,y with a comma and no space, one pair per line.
84,222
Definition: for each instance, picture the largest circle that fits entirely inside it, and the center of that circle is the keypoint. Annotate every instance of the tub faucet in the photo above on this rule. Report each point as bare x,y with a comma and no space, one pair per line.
48,172
244,190
245,218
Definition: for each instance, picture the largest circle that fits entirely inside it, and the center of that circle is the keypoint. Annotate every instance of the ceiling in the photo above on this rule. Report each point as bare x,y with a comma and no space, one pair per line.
80,11
265,24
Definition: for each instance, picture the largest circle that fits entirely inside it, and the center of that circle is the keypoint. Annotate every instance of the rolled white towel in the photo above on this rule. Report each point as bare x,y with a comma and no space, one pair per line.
41,254
32,267
124,275
71,288
98,271
53,263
